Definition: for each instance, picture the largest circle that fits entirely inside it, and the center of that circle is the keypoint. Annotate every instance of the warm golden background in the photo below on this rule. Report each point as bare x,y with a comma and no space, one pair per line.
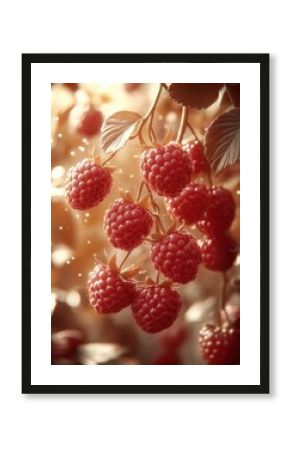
78,237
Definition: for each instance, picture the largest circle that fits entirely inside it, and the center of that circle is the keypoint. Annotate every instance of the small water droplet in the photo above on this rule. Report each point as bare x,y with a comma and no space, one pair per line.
87,214
80,275
67,262
88,242
72,153
59,135
60,228
131,176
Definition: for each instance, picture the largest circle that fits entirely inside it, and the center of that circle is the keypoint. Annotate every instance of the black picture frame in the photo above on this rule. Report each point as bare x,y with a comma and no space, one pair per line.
27,61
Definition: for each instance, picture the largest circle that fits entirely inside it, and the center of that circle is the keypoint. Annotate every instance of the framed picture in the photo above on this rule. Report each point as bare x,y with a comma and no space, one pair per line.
145,223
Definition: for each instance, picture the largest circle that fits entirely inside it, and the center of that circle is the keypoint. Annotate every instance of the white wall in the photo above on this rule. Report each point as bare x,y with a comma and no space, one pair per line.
75,422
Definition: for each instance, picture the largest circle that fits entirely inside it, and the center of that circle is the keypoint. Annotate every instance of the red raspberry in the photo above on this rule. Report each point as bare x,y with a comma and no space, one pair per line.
90,122
156,308
127,224
190,204
199,162
87,185
109,292
167,169
220,211
220,345
219,253
177,256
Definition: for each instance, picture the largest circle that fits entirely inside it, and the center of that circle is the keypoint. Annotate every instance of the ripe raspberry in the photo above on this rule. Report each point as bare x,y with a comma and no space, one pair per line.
109,292
220,211
167,169
199,162
190,204
220,345
177,256
156,308
87,185
219,253
90,122
127,224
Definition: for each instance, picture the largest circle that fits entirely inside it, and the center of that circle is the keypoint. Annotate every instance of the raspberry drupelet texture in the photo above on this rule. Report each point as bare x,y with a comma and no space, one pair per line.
197,156
166,169
219,213
220,345
177,256
90,122
219,253
156,308
87,185
127,224
109,292
190,204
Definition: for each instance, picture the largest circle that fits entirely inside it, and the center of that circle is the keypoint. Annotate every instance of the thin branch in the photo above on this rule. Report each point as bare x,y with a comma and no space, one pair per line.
222,300
125,259
182,125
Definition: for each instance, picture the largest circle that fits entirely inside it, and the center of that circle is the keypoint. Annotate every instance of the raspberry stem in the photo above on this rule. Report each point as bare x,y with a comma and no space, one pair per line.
222,300
150,115
109,158
157,276
193,132
124,259
156,211
140,190
182,125
153,203
209,179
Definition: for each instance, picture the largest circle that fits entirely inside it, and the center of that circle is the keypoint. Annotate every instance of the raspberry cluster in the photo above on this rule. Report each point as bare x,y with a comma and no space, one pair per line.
172,171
